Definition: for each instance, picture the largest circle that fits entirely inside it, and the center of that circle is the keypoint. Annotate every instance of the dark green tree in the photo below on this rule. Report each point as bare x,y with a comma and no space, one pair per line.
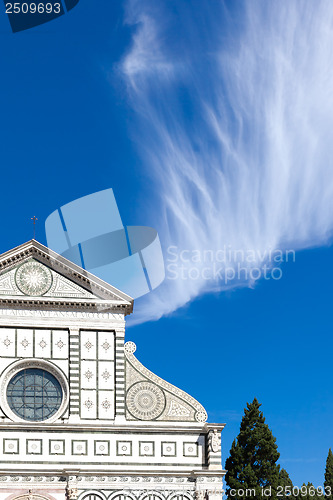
285,490
328,483
253,456
308,492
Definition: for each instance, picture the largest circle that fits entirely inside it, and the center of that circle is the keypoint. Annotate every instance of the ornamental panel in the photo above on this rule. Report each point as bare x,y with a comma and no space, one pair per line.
106,346
190,449
11,446
106,375
88,404
124,448
25,343
34,446
79,447
101,447
43,343
8,341
106,404
88,344
60,344
145,401
88,374
57,446
168,449
146,448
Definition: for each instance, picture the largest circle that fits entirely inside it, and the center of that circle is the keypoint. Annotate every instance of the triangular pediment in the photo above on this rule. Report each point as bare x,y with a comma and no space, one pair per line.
34,274
34,279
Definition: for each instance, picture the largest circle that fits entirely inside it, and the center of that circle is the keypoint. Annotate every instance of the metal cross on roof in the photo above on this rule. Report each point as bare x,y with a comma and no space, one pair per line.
34,218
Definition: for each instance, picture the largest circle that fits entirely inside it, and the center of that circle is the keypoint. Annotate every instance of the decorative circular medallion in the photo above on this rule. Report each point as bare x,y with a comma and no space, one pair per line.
145,401
32,278
130,347
201,416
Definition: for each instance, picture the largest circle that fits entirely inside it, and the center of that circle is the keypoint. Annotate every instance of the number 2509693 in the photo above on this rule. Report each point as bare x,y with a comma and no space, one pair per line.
33,8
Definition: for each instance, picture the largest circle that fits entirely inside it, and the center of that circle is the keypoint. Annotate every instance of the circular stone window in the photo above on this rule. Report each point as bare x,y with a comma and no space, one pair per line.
33,391
34,394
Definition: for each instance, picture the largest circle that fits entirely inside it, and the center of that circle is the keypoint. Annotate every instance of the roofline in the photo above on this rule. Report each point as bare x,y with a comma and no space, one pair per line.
83,273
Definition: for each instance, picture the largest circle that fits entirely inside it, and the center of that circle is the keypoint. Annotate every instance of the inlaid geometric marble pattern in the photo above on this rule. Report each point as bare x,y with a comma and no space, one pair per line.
57,446
34,342
168,449
79,447
102,447
11,446
34,446
97,375
124,448
88,404
146,448
88,344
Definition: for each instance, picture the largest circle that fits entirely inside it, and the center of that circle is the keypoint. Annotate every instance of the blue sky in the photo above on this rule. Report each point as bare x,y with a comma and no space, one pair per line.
212,123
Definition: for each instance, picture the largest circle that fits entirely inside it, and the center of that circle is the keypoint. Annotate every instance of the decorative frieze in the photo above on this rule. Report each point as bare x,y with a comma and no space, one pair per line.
114,450
64,314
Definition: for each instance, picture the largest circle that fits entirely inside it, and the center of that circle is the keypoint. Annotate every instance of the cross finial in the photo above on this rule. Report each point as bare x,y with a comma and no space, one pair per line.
34,218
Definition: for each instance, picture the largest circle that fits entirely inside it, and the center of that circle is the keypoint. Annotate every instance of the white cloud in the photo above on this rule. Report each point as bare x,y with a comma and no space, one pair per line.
249,165
145,58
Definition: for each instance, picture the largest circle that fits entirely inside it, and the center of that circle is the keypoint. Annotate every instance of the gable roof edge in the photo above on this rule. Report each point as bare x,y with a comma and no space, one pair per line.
60,264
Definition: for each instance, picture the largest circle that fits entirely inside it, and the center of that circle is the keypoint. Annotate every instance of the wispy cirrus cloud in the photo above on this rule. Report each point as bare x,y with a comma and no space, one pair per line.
235,112
299,460
146,58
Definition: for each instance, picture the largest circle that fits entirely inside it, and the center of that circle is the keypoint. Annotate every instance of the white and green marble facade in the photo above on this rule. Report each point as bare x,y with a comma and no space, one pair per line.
121,433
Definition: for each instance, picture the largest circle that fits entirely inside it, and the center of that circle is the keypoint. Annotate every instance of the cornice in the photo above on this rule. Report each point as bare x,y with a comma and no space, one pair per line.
151,427
212,427
111,297
112,475
60,304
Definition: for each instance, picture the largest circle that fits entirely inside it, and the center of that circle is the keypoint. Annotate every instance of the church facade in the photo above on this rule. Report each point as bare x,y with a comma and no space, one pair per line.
80,416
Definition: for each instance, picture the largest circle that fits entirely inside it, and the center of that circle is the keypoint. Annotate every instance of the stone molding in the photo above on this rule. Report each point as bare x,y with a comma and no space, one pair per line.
40,318
82,480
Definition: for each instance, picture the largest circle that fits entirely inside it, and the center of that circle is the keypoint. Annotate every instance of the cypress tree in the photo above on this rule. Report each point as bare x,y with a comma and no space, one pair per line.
328,483
253,456
308,492
285,481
